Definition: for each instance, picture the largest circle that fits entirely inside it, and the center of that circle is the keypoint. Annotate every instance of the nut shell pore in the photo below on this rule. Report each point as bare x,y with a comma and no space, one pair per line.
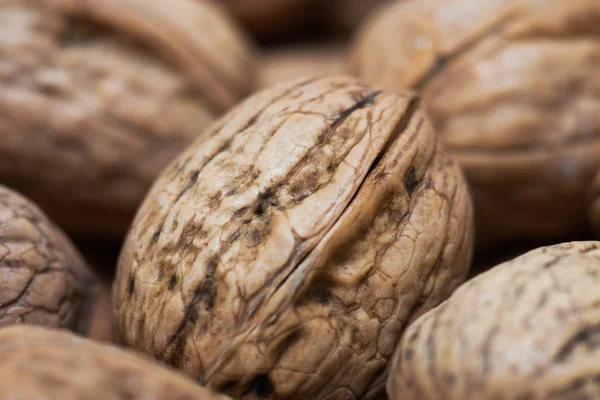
283,256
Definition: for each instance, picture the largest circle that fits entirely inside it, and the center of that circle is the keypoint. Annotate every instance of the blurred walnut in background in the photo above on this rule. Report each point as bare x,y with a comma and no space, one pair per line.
513,90
43,278
97,97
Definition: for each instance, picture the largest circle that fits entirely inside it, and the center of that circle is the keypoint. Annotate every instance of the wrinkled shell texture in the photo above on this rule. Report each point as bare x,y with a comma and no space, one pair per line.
512,89
38,363
283,256
90,112
43,279
526,329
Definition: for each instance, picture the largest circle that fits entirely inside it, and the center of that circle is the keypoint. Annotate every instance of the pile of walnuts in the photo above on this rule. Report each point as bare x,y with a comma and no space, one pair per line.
299,199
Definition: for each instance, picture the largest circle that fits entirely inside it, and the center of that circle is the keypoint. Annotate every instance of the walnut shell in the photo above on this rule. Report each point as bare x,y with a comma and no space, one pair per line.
526,329
97,97
284,64
511,87
283,256
39,363
43,279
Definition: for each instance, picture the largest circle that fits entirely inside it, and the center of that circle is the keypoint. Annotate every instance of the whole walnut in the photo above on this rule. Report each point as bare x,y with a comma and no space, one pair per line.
98,96
283,256
40,363
43,279
526,329
283,64
511,87
274,20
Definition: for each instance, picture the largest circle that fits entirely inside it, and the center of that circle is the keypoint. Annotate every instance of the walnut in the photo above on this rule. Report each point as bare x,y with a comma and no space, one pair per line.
283,64
43,279
98,96
41,363
511,88
526,329
283,256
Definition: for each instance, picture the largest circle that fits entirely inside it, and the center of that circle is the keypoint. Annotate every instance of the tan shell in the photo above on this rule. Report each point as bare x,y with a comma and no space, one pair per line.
280,65
512,89
283,256
98,96
43,279
39,363
527,329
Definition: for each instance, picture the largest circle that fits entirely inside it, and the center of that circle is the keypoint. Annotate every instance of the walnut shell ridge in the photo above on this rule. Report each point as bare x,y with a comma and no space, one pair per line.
511,88
43,278
99,96
38,363
526,329
283,256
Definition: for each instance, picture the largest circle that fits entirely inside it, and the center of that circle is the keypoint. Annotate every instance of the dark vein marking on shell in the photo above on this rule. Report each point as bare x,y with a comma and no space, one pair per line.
588,337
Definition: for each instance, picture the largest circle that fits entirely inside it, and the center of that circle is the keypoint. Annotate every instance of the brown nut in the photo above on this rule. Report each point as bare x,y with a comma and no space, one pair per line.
97,97
526,329
283,256
43,279
40,363
511,87
284,64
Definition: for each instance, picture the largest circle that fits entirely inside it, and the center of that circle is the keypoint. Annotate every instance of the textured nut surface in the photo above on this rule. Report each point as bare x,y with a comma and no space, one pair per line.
43,279
39,363
284,64
97,97
526,329
283,256
594,210
512,90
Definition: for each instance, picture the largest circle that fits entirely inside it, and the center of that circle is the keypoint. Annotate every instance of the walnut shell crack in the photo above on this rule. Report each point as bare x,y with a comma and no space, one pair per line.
511,88
283,256
98,97
39,363
526,329
43,278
